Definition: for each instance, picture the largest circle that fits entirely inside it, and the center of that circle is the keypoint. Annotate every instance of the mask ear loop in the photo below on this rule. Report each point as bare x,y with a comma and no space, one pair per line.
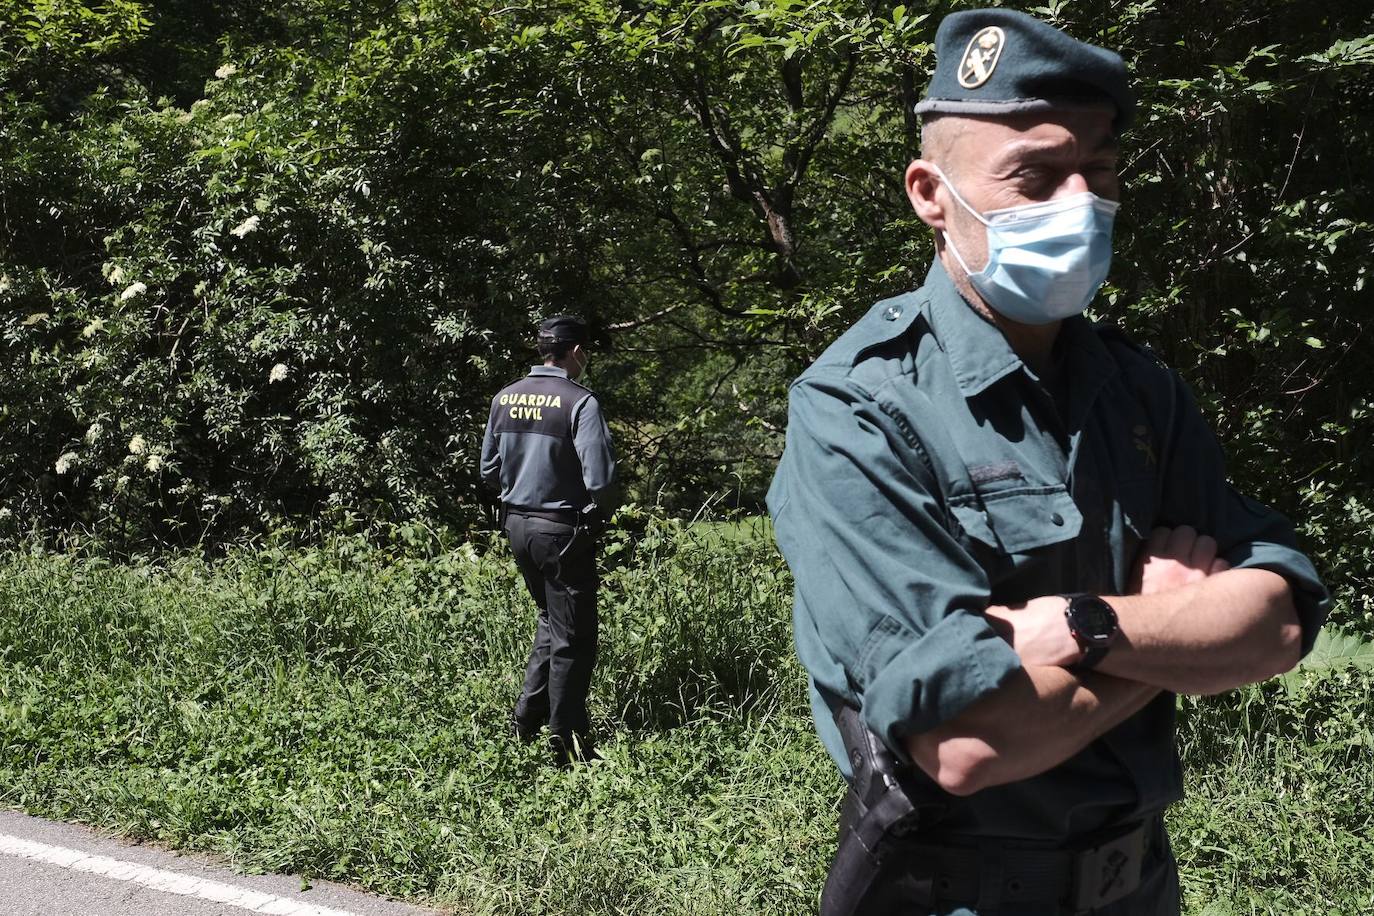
959,197
963,203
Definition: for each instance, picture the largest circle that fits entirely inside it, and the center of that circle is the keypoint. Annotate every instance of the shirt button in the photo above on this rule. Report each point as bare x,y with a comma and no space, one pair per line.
892,312
1057,518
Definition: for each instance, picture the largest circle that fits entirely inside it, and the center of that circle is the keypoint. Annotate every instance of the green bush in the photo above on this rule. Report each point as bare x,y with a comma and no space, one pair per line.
264,263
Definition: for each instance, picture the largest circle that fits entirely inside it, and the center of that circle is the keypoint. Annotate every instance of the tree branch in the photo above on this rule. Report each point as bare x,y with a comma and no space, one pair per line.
646,319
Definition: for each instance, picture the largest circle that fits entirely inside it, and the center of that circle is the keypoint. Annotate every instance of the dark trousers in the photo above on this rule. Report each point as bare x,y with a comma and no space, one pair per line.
558,562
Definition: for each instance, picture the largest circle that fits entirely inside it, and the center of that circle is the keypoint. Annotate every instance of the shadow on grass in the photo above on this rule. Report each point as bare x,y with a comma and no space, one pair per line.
682,691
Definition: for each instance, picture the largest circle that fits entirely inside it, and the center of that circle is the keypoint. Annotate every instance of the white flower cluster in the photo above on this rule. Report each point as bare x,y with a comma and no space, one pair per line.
245,227
132,290
278,373
65,462
139,446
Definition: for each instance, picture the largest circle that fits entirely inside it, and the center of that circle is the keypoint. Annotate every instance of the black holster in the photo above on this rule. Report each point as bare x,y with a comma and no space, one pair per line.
871,874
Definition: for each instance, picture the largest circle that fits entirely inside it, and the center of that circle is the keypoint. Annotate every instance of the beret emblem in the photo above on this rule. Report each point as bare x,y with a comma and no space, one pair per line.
981,56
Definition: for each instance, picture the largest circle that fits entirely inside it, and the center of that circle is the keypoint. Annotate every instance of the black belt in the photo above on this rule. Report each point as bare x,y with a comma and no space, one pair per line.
991,873
562,516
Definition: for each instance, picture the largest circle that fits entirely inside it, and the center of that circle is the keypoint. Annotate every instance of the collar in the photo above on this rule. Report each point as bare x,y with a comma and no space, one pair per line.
549,370
1084,350
978,351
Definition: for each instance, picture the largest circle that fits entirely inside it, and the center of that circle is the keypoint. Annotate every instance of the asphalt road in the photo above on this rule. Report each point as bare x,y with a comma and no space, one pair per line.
51,869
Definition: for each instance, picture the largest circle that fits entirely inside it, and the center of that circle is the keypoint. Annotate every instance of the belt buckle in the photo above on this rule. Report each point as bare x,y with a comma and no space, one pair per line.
1107,873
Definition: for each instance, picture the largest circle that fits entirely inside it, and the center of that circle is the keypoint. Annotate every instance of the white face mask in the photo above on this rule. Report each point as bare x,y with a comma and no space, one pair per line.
1046,261
586,360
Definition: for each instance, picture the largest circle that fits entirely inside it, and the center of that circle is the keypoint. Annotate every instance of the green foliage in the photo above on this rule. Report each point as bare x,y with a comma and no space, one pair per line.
1275,820
341,712
291,248
1333,649
258,317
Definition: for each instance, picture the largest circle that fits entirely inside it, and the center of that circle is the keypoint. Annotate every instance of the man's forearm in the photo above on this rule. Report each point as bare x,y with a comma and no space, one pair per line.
1233,628
1038,718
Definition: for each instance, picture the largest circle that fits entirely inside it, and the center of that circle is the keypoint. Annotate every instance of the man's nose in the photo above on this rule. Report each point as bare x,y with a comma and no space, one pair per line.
1073,183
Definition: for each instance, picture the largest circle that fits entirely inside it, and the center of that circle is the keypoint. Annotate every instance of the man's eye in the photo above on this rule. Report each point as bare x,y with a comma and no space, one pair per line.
1032,176
1036,181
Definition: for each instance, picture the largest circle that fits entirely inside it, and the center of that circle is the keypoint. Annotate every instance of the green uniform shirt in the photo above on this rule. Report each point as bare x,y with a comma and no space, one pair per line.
929,473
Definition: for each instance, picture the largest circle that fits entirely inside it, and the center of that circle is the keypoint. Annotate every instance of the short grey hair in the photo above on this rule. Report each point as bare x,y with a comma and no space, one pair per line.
939,133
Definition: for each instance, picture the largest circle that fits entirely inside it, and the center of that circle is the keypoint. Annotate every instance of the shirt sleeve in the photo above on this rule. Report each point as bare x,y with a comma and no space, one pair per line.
1249,535
592,439
491,456
889,606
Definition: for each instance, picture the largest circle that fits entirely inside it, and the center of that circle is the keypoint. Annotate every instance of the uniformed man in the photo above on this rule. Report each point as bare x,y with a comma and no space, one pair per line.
1011,531
548,452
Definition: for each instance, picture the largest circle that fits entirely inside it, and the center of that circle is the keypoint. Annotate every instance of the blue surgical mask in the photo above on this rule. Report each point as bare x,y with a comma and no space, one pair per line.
1046,261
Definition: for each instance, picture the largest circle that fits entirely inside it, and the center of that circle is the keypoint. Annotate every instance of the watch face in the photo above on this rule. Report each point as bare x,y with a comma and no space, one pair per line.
1094,619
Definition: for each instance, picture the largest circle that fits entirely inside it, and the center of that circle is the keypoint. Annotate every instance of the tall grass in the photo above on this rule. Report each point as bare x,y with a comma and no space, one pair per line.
341,712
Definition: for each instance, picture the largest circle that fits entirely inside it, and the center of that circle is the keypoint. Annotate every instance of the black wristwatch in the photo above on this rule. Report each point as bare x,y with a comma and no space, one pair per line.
1093,625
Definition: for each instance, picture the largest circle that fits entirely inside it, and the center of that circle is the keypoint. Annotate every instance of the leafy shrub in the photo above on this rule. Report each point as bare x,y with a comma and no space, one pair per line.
263,263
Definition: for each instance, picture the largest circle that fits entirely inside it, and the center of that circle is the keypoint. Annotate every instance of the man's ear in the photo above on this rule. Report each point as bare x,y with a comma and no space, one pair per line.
922,183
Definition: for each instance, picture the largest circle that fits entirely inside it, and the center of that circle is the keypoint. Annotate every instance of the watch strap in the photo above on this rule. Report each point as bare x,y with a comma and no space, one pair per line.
1091,656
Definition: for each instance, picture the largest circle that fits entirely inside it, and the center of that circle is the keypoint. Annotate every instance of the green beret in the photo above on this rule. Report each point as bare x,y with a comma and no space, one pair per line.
1000,62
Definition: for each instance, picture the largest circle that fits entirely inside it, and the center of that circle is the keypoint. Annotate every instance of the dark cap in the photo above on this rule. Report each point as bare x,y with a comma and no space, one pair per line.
563,329
1000,62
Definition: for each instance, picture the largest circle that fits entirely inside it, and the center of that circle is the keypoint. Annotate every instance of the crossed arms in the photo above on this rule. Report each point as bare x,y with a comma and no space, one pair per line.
895,612
1192,625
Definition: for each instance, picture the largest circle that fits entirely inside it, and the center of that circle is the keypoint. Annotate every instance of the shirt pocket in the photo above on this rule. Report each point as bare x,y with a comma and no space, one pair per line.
1021,520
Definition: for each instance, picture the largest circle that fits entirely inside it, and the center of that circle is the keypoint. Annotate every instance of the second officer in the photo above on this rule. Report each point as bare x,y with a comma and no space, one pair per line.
548,451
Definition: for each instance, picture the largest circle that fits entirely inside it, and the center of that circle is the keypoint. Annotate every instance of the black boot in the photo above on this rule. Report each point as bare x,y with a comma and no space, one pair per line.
565,749
525,730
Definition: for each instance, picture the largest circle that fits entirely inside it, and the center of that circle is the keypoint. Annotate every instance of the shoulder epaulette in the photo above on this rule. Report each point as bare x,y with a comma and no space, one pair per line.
885,321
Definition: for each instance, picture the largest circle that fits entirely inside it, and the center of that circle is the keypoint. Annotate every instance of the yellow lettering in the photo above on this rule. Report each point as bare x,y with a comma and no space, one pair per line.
556,402
512,414
504,399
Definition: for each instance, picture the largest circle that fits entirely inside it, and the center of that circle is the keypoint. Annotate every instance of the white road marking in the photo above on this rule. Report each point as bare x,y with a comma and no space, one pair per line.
168,881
